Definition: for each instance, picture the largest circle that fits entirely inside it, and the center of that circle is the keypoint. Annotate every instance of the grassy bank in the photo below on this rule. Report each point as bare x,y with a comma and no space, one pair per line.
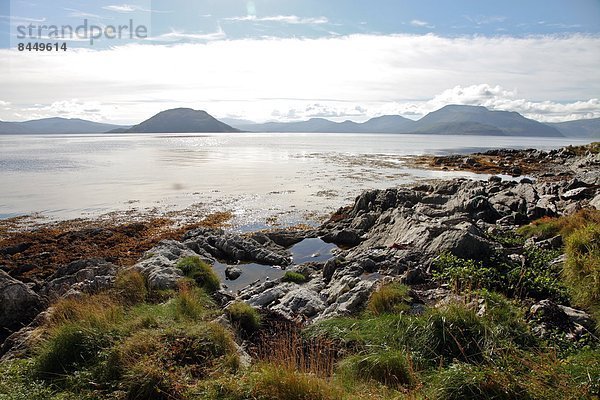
131,343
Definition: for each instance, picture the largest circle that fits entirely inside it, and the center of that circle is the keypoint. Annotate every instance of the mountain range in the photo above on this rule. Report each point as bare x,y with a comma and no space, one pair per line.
450,120
56,126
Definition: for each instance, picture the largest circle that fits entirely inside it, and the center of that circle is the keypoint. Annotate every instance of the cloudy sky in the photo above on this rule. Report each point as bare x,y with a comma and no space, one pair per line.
296,59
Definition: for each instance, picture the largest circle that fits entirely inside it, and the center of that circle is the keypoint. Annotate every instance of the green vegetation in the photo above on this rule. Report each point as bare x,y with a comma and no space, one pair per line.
547,227
200,272
533,277
127,343
390,298
243,316
392,368
291,276
582,268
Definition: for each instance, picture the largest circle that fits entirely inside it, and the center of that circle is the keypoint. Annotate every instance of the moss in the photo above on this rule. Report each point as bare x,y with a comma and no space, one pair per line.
295,277
390,298
202,273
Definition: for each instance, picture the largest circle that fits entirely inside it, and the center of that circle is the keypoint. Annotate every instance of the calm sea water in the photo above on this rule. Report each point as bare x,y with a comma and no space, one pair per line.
258,176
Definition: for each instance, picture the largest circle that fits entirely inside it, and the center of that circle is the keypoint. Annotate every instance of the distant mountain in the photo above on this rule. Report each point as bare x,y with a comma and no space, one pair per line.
55,126
181,120
449,120
477,120
385,124
582,128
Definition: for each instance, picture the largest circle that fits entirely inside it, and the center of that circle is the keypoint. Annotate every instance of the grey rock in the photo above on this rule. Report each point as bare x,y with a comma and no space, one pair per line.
578,194
159,264
232,273
82,276
347,237
18,304
300,301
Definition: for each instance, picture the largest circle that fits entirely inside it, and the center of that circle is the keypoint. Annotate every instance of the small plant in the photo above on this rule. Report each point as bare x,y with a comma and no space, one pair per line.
390,298
189,303
464,274
244,316
130,287
202,273
295,277
390,367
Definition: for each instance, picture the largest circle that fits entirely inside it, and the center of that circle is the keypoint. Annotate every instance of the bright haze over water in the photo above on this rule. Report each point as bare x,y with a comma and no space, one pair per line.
287,177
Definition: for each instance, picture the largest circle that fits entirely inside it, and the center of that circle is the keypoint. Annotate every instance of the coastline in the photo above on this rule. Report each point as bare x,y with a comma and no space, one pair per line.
386,237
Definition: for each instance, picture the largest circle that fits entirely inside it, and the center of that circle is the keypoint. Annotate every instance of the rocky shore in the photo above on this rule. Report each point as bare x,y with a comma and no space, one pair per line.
395,235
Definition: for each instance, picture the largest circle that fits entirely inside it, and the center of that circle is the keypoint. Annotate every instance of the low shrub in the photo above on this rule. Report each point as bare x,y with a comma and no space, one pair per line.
295,277
455,332
465,382
148,381
130,287
390,298
390,367
243,316
273,382
464,274
581,271
68,347
547,227
202,273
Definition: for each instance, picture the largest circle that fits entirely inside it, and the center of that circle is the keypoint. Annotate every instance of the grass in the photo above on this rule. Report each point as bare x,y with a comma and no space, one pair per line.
548,227
390,298
244,317
295,277
200,272
130,287
581,271
392,368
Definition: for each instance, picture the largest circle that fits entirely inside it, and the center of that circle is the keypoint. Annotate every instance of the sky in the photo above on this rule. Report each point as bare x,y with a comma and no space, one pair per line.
288,60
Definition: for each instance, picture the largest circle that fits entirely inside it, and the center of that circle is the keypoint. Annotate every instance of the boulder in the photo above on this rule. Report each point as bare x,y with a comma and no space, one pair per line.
18,304
232,273
82,276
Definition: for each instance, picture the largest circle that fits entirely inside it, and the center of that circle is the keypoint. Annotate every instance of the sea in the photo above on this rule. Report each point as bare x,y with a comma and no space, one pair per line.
263,179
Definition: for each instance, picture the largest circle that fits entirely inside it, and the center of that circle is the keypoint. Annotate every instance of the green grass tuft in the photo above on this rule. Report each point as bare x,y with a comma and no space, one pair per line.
244,316
202,273
392,368
390,298
295,277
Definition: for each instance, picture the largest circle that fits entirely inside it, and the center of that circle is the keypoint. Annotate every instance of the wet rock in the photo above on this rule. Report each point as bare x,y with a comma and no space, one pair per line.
344,237
235,247
16,249
232,273
18,304
289,238
495,179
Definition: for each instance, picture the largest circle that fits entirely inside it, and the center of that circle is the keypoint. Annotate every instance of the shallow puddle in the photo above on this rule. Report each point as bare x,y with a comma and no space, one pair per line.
315,250
250,272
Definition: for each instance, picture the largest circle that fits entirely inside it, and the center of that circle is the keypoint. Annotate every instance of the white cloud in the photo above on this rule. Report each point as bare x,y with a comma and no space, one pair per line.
286,19
124,8
421,24
404,74
176,35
